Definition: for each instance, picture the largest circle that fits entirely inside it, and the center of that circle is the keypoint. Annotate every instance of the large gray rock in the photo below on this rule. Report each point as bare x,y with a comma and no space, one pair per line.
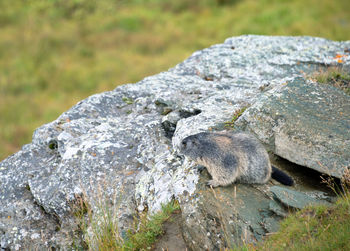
304,122
227,216
119,146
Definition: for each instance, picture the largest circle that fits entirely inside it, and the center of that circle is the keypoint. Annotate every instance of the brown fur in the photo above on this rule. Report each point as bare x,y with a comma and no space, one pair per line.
229,157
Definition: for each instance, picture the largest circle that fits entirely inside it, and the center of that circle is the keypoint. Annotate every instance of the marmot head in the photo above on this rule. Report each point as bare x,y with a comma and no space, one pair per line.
195,146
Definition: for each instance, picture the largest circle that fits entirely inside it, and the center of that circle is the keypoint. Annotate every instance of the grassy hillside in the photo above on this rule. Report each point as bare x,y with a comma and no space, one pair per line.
54,53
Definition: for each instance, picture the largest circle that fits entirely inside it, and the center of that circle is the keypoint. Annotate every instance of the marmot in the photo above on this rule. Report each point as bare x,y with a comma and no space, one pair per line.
231,157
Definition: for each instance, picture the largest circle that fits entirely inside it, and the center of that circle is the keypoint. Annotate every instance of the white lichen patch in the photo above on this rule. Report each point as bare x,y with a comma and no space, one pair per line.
165,180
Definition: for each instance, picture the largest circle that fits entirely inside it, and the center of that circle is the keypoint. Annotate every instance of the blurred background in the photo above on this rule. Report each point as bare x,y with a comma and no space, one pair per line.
54,53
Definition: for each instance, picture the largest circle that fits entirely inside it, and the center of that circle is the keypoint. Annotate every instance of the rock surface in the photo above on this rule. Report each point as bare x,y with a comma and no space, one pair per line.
172,238
294,199
228,216
306,123
119,146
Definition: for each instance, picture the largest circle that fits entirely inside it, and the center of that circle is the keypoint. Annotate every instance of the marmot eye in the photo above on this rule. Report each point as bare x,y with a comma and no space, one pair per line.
183,143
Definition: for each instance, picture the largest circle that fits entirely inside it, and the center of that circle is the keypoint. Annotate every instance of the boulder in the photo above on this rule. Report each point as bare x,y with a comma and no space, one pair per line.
120,147
227,216
304,122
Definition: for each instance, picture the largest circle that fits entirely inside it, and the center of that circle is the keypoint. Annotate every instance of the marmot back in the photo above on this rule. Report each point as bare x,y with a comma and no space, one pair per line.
229,157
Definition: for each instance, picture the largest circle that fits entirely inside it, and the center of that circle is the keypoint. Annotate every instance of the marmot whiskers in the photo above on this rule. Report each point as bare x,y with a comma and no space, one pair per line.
231,157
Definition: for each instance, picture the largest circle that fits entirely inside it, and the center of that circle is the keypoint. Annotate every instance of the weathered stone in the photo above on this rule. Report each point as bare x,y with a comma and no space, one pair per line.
306,123
112,146
270,224
295,199
277,209
226,216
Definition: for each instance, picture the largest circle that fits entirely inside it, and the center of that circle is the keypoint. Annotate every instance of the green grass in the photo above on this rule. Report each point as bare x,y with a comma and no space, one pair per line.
54,53
150,229
313,228
101,228
334,76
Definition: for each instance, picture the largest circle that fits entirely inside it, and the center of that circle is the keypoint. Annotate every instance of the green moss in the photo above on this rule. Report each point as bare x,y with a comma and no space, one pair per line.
334,76
53,144
236,115
127,100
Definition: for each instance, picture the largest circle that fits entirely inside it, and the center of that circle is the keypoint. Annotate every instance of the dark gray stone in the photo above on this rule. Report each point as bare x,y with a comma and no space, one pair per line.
226,216
295,199
277,209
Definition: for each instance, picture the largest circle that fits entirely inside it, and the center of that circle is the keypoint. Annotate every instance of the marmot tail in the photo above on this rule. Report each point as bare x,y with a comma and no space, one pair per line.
281,177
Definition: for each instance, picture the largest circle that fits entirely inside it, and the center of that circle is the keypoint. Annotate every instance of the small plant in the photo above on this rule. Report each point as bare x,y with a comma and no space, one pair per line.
334,76
99,228
149,228
236,115
80,208
53,144
342,188
127,100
